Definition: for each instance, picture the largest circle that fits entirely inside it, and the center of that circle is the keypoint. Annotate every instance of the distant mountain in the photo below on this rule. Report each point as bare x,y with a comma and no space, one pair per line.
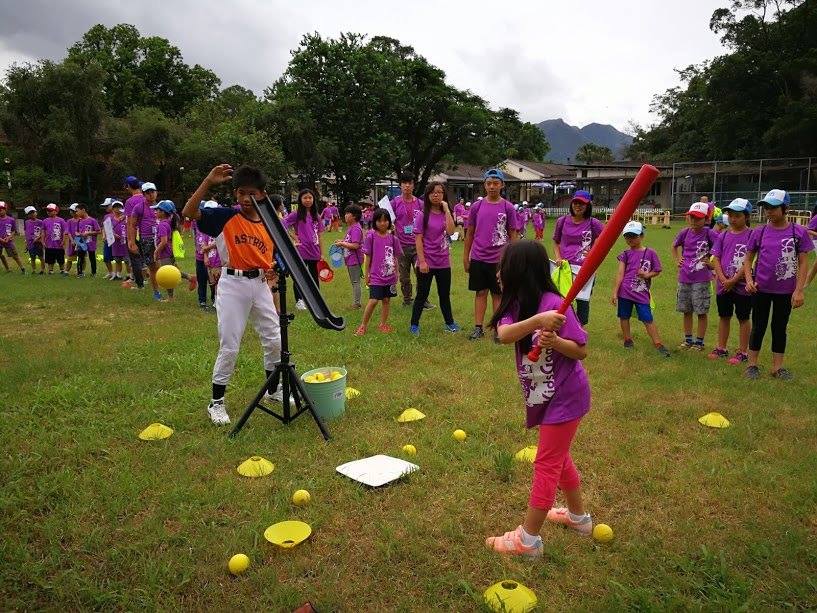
565,139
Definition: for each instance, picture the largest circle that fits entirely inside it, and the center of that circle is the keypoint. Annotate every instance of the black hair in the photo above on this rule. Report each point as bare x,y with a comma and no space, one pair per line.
524,274
405,177
588,210
302,210
378,214
354,210
277,202
427,200
744,213
80,206
248,176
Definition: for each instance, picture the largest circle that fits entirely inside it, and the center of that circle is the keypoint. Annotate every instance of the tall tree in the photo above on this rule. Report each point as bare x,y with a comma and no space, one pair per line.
590,153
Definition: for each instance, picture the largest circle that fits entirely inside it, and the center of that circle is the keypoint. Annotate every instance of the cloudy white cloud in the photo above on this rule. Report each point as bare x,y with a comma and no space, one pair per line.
583,61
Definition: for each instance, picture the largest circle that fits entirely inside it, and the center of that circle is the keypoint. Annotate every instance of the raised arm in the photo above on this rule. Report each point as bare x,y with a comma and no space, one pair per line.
218,175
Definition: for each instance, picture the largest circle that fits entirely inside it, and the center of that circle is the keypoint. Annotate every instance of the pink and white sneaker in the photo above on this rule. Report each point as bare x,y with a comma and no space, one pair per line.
561,516
511,543
738,358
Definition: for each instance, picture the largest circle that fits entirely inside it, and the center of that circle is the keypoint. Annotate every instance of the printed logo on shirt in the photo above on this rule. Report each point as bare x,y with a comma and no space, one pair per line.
701,249
56,232
737,260
639,285
387,268
499,236
587,242
539,379
786,266
249,239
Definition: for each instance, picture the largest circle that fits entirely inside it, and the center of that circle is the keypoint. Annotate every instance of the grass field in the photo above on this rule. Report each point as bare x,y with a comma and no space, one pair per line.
93,518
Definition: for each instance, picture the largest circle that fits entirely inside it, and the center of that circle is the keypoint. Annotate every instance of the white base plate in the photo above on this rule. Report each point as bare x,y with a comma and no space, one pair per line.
376,470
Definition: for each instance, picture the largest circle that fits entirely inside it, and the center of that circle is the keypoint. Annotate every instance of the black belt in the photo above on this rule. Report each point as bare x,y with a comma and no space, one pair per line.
250,274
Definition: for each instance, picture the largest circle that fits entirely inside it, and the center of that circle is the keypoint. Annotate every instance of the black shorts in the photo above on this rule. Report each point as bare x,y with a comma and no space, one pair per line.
738,304
55,256
379,292
146,249
482,276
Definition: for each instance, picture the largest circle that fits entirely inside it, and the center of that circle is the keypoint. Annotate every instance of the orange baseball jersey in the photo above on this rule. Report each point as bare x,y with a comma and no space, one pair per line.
242,244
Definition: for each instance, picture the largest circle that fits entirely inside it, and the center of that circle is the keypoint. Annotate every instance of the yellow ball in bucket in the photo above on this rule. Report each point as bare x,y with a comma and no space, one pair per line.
168,277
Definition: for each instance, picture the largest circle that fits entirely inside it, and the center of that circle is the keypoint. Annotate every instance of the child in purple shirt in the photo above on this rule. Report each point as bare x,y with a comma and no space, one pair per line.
305,227
119,248
691,251
87,229
55,231
637,267
779,251
492,224
34,239
163,252
8,230
573,237
432,227
71,243
352,245
382,250
555,388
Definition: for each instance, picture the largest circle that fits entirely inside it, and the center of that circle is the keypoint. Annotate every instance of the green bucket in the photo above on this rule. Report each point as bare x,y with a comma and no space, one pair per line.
329,397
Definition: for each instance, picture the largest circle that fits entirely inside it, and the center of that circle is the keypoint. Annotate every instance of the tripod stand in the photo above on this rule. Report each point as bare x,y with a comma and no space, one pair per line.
284,372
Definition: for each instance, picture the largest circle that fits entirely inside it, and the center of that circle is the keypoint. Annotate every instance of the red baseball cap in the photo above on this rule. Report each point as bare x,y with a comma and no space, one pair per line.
699,210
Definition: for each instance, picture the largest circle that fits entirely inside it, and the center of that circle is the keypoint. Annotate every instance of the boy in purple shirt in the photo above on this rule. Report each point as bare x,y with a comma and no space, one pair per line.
142,220
87,229
55,231
352,245
637,267
134,188
779,251
405,206
492,224
34,239
691,252
8,230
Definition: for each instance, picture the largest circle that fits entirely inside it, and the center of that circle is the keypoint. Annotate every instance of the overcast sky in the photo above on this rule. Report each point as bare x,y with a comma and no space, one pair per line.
584,61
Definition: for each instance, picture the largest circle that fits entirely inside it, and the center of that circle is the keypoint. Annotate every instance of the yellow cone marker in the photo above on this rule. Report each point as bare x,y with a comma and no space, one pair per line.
256,466
288,534
714,420
155,432
528,454
352,393
410,415
238,564
510,597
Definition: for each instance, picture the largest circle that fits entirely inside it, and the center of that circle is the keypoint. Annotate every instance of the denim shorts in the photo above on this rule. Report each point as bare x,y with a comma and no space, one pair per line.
642,311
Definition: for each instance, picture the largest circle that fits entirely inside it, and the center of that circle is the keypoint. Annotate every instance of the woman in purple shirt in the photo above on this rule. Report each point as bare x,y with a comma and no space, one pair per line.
573,237
432,227
304,225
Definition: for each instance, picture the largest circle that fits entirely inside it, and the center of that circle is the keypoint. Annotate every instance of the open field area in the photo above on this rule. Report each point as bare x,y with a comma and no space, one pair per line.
93,518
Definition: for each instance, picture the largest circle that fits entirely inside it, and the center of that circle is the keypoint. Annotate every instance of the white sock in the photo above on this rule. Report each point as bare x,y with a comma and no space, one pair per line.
578,519
529,540
217,400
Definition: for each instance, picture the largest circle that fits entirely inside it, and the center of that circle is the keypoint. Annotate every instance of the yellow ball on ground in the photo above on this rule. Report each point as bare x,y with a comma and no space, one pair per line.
168,277
602,533
301,498
409,449
459,435
238,563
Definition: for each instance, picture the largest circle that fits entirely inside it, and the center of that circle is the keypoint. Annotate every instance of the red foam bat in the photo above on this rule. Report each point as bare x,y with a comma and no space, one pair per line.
624,210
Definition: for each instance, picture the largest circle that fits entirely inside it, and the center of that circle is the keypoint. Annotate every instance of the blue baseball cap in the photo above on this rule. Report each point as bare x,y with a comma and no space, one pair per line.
132,182
493,173
166,206
775,197
739,205
582,196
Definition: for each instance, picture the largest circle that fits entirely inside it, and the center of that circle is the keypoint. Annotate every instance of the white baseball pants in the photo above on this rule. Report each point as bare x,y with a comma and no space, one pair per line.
239,298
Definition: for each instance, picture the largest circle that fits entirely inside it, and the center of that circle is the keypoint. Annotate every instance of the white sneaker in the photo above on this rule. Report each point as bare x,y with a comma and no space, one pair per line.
300,305
278,397
218,413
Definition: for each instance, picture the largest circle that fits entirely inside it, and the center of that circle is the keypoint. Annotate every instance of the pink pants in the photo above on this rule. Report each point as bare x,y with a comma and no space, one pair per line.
553,465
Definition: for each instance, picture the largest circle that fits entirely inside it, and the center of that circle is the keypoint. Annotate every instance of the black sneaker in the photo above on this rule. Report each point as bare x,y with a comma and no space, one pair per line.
476,334
753,372
663,351
783,374
629,344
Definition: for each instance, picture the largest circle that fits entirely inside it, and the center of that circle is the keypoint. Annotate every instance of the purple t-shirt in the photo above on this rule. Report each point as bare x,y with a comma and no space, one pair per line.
353,257
576,239
34,231
776,264
212,258
308,232
384,251
163,230
812,224
8,227
86,224
404,213
632,286
435,243
538,221
730,248
555,388
146,220
459,211
55,229
200,239
491,224
119,249
131,202
695,248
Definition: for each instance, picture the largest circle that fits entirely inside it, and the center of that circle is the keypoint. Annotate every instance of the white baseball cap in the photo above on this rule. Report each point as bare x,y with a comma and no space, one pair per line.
107,202
73,207
2,204
29,209
633,227
52,207
776,197
146,187
739,205
699,210
210,204
117,203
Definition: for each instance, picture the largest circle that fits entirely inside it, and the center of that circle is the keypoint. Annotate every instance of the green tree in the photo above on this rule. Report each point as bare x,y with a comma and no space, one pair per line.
142,71
590,153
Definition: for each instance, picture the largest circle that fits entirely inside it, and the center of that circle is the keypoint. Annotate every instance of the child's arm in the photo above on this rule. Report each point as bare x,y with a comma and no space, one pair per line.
726,282
798,297
751,287
367,264
159,247
511,333
219,174
466,253
677,256
617,284
569,349
449,220
422,265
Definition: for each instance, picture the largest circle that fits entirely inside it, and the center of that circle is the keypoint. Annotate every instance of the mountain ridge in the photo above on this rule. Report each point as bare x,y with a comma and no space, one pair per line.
566,139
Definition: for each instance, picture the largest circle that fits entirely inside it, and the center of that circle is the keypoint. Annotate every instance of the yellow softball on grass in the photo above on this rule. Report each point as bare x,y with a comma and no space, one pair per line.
238,564
301,498
409,449
459,435
602,533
